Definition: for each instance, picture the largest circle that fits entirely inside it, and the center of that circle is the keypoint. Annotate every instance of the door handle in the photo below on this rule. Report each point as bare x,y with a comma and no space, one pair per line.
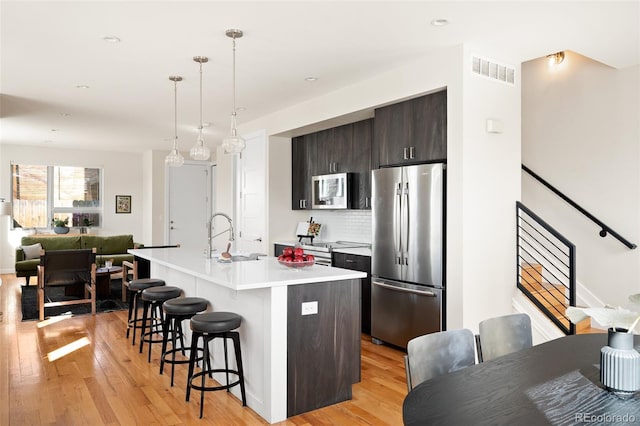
259,239
171,227
404,153
404,290
411,152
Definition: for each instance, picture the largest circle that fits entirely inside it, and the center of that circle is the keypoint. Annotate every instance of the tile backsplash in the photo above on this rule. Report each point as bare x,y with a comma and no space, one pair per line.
346,225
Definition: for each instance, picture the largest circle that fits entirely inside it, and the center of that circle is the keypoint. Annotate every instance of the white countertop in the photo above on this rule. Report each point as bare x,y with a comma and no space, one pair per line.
247,275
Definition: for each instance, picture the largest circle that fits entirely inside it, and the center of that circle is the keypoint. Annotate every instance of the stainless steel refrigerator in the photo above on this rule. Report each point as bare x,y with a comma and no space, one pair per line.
407,293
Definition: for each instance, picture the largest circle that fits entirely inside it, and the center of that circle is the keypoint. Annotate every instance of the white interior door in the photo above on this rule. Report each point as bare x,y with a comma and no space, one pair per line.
189,204
252,209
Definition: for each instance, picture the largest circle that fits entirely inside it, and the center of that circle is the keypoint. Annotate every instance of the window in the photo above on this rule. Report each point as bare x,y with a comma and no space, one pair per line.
41,193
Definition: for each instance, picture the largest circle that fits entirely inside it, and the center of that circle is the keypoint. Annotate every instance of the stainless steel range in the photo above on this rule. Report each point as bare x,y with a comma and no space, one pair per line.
322,249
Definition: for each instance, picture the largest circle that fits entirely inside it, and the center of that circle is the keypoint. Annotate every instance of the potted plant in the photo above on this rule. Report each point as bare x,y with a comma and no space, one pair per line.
86,223
619,361
60,225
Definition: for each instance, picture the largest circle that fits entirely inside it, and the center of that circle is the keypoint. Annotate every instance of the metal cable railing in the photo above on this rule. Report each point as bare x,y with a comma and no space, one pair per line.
545,267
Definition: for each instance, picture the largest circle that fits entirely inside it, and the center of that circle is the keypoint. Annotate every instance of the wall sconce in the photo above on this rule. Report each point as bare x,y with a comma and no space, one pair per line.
555,58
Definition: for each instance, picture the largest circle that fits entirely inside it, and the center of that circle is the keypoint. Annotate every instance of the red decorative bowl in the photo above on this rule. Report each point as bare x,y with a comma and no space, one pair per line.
297,264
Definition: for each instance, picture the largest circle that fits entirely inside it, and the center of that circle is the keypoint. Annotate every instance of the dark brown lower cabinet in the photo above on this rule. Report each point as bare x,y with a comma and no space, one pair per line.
324,348
360,263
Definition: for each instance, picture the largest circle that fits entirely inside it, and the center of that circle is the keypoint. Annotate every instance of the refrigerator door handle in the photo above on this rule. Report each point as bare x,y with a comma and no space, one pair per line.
405,224
404,290
397,226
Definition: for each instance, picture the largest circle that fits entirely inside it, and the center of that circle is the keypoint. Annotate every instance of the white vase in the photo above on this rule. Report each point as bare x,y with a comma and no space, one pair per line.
620,365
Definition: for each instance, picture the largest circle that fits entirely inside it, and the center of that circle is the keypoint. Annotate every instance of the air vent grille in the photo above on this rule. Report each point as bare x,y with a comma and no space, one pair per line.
491,69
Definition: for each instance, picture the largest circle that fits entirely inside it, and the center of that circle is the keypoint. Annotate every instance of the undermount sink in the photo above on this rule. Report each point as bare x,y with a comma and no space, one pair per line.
238,257
242,257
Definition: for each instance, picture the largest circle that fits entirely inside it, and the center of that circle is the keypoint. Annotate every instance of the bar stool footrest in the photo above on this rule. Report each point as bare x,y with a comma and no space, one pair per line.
165,357
213,388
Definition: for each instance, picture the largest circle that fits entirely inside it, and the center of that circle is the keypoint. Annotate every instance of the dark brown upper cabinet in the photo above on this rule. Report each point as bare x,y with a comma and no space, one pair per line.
411,132
361,163
343,149
302,154
333,150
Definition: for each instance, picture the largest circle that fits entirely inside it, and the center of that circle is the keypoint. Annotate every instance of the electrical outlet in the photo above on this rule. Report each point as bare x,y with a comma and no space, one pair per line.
309,308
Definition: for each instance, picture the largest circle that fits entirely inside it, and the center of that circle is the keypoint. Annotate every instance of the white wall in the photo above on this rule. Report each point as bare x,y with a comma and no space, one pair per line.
581,132
480,200
491,185
282,220
122,176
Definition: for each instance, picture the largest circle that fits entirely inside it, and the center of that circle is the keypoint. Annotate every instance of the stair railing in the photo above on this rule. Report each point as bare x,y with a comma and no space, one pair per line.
604,229
546,263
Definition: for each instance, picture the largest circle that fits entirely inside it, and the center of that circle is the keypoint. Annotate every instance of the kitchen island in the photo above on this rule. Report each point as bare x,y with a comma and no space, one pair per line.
300,333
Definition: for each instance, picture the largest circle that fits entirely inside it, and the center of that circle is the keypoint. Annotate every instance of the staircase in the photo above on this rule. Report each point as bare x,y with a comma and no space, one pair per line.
553,297
546,262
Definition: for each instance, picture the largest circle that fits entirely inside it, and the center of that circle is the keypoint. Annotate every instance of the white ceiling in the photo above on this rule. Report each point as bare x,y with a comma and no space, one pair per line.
50,47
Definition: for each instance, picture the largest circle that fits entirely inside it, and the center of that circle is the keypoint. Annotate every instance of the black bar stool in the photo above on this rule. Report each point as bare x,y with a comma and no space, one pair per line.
175,311
152,316
134,289
209,326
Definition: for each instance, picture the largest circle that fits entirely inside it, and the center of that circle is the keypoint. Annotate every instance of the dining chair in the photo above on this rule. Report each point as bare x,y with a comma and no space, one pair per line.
438,353
503,335
67,268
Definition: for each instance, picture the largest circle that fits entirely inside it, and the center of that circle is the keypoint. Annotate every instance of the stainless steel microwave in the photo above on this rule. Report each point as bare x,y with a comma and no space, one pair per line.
331,191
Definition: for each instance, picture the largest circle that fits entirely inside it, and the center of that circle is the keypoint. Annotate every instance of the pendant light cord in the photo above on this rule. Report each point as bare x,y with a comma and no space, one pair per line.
175,114
200,128
234,76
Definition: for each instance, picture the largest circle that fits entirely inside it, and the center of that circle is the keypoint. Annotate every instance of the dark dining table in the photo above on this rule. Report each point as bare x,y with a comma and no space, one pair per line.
554,383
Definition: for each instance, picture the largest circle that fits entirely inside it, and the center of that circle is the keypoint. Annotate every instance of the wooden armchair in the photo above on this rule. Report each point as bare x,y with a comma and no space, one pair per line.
65,268
129,272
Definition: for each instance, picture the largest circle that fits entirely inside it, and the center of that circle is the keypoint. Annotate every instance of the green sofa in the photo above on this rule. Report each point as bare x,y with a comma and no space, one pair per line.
107,247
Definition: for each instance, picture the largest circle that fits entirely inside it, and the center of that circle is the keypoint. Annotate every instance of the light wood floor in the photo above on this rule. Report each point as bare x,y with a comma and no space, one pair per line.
107,382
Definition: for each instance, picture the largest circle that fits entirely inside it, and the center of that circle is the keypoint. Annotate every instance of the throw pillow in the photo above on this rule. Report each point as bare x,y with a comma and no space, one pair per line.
32,251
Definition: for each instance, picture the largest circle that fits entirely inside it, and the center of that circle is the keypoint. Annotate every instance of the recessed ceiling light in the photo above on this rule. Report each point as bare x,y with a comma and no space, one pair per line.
111,39
311,79
81,86
65,114
47,141
206,124
54,130
241,109
440,22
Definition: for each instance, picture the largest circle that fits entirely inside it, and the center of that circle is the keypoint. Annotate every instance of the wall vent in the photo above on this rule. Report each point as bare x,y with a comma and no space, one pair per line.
491,69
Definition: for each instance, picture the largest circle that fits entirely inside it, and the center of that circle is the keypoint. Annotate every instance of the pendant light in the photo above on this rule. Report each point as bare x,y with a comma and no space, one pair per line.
199,151
175,159
233,143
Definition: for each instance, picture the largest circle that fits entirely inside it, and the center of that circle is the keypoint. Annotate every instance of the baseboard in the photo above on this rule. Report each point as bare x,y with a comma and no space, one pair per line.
587,299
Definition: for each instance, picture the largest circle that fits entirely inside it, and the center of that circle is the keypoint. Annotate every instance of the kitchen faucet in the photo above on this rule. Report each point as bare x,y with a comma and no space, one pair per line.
211,236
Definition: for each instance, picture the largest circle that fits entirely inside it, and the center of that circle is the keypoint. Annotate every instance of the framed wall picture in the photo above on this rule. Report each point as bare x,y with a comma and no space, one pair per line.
123,203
